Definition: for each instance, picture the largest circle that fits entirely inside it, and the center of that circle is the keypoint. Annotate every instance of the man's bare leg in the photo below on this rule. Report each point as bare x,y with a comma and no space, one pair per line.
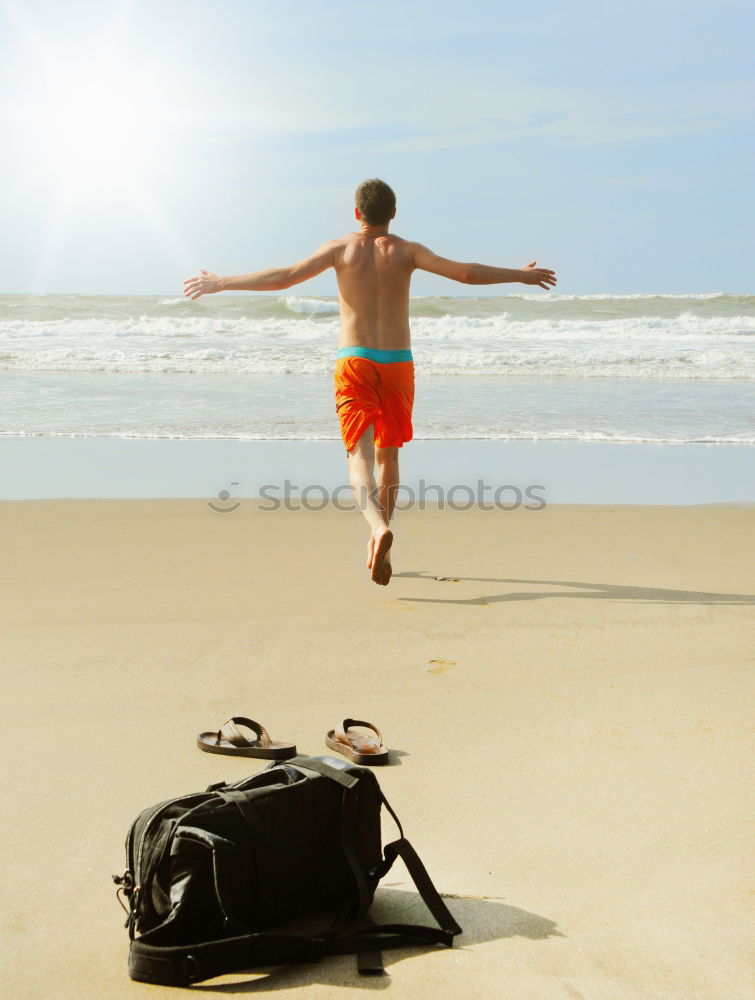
387,480
387,489
362,479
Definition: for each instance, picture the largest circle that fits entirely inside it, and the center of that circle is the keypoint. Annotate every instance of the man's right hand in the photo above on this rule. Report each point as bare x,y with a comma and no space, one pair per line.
202,284
532,275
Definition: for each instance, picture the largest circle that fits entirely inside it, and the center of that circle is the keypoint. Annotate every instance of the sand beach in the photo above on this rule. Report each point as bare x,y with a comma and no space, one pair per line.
564,692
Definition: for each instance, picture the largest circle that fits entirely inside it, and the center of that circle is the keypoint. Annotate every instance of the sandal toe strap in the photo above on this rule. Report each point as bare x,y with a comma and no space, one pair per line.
230,732
340,732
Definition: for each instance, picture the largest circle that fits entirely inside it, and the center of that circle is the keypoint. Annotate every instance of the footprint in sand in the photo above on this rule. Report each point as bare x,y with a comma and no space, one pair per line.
441,666
447,579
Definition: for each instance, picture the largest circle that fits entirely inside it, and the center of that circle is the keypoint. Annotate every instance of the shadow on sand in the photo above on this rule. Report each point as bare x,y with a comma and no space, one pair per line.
482,919
589,591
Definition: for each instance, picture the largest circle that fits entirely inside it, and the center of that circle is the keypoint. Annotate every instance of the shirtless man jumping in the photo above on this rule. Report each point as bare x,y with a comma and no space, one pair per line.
374,375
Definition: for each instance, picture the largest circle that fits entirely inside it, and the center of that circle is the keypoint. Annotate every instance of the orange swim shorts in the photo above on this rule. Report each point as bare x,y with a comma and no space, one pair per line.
373,388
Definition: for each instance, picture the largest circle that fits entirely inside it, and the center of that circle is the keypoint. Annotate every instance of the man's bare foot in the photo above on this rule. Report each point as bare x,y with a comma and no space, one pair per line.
381,560
370,551
388,569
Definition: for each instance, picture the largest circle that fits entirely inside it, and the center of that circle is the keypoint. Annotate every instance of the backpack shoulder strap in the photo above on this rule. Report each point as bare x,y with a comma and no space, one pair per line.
432,899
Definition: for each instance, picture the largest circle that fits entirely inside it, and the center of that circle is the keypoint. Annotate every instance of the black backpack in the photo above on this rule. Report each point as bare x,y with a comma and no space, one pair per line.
214,877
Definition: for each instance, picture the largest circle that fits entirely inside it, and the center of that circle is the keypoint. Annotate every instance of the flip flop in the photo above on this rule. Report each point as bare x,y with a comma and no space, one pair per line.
358,747
230,740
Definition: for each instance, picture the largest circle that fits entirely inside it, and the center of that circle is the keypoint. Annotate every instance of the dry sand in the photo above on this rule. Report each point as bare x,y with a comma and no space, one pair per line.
566,692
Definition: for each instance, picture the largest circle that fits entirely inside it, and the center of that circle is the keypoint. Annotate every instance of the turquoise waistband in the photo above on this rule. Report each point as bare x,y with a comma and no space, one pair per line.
375,354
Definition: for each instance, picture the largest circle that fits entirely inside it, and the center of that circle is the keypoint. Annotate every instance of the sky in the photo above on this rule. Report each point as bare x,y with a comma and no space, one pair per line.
142,141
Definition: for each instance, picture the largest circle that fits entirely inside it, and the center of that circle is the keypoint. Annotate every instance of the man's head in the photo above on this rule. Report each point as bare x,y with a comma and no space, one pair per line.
375,202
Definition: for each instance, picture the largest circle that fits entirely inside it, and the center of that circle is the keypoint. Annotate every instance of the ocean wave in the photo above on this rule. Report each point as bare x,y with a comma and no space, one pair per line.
261,305
629,297
210,361
312,307
653,328
189,327
495,328
297,305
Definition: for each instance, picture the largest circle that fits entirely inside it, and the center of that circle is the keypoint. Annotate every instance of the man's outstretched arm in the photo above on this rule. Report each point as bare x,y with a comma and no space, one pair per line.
273,280
481,274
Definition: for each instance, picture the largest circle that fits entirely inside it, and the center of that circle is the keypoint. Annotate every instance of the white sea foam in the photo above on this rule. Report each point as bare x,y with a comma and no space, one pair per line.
685,345
460,434
602,297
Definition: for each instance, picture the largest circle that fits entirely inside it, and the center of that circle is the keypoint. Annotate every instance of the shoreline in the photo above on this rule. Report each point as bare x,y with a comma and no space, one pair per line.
560,472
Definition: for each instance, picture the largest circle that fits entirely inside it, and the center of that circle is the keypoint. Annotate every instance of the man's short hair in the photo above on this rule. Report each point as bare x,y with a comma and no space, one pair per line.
375,201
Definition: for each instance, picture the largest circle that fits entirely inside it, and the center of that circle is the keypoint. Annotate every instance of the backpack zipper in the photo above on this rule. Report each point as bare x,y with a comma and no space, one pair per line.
130,882
135,856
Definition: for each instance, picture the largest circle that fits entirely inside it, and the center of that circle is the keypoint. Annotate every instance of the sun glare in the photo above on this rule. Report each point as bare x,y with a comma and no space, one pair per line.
94,125
96,120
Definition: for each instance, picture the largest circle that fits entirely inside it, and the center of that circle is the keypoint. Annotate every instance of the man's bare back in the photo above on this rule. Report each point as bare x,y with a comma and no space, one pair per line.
375,370
374,274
